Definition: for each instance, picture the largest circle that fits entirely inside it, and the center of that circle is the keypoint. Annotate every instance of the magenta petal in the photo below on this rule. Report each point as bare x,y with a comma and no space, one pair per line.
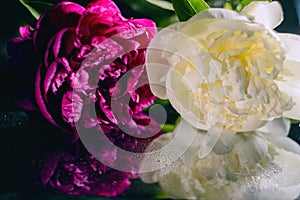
58,80
51,71
147,23
103,7
71,107
62,15
64,42
40,100
26,32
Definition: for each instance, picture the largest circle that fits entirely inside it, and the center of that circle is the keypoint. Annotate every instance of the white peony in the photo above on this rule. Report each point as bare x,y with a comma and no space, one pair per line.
225,71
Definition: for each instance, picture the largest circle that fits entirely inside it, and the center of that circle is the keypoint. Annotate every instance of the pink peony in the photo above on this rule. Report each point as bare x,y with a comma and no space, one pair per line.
85,67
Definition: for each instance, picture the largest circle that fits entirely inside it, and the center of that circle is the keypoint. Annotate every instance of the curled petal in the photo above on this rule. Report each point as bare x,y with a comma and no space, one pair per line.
26,32
40,98
268,14
62,15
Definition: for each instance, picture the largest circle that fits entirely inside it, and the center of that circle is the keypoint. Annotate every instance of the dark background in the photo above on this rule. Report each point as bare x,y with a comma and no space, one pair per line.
26,135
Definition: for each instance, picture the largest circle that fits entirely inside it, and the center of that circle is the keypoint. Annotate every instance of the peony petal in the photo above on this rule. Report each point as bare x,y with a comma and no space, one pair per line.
252,124
103,7
26,32
282,180
49,75
294,92
182,98
62,15
291,74
284,143
251,149
268,14
291,44
209,141
71,107
225,144
40,98
276,127
169,150
157,66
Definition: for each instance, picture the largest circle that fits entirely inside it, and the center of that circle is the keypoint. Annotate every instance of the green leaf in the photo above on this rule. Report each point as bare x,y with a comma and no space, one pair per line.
36,8
185,9
162,4
163,102
293,121
167,127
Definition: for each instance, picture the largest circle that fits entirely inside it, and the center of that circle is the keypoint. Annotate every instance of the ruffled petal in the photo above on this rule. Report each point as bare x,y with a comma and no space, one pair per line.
180,95
268,14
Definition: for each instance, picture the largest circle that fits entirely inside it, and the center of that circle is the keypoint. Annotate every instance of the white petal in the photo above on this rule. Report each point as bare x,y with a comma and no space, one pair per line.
156,65
217,13
291,44
268,14
227,137
232,176
167,151
251,149
293,92
290,82
291,73
276,127
209,141
252,124
284,143
182,98
286,176
158,143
